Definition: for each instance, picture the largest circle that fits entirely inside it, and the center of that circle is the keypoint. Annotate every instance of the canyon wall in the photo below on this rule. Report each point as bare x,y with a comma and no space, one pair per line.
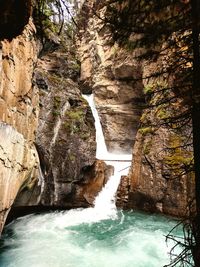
47,134
160,177
70,176
18,117
111,74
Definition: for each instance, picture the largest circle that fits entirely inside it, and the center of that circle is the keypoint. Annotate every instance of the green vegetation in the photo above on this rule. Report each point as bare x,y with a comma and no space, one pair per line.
175,160
56,106
57,102
53,18
149,89
162,112
177,155
72,157
147,147
55,113
146,130
74,121
143,118
85,135
54,79
75,114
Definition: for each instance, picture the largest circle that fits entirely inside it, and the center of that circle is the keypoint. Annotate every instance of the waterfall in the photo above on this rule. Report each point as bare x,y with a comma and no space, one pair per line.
105,201
101,149
104,204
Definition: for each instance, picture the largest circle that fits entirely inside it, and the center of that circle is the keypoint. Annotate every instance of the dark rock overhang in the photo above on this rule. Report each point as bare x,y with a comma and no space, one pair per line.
14,15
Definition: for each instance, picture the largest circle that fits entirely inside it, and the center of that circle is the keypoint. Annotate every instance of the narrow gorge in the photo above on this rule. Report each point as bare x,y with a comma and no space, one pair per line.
96,134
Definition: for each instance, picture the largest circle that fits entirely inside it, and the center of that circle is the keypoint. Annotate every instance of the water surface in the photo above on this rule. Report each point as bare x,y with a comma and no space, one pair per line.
66,239
92,237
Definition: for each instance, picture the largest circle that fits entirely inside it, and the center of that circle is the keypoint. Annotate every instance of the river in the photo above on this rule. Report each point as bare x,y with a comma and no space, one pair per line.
100,236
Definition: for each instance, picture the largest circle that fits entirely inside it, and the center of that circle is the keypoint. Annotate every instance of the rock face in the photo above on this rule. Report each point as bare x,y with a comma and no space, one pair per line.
62,171
69,175
161,177
151,184
110,73
18,116
115,78
66,134
95,177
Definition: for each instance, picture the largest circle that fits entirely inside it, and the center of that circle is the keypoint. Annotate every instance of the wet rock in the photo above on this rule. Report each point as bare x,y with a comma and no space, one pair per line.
66,133
94,178
161,177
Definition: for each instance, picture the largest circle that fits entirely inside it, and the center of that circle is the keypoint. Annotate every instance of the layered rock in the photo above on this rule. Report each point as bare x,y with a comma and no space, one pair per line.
18,116
111,74
18,164
161,177
70,175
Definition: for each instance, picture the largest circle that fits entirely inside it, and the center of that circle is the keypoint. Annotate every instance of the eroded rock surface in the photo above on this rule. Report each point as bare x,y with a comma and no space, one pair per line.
161,177
18,165
70,177
18,115
110,73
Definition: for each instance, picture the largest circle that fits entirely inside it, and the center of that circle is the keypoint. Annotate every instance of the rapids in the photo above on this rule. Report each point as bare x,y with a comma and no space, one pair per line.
76,238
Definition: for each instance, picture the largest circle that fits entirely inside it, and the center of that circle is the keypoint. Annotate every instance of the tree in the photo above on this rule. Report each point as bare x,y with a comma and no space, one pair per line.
53,17
195,6
175,23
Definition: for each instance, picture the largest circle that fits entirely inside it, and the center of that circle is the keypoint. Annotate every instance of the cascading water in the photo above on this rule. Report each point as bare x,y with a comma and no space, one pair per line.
104,205
101,151
105,201
92,237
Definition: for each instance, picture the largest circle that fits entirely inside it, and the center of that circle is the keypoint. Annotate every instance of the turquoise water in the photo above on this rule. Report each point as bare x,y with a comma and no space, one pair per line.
61,239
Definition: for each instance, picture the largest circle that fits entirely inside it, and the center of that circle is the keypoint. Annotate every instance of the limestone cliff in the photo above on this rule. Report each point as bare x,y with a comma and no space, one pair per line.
59,127
70,176
161,177
110,73
18,117
117,79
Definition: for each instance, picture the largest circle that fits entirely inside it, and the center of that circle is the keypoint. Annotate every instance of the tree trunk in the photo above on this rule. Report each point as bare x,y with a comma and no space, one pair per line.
196,124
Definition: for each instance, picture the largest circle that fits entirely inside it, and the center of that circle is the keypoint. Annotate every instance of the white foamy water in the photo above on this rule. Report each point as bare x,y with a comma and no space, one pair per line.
131,240
105,201
94,237
101,151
